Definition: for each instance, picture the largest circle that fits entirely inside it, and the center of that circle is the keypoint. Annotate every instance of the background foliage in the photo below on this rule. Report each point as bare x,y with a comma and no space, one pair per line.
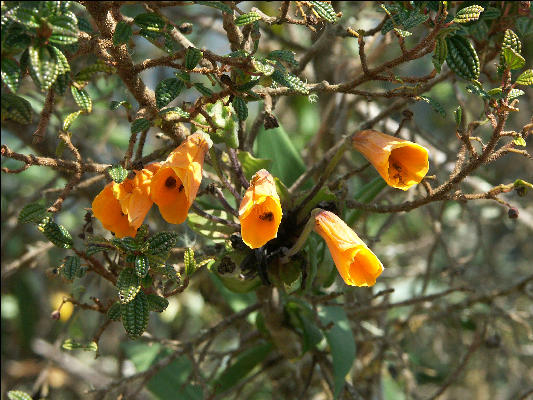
87,86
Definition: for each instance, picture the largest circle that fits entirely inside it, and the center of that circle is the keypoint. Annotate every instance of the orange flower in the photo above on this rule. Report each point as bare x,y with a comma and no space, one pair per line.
399,162
175,185
122,207
355,262
260,211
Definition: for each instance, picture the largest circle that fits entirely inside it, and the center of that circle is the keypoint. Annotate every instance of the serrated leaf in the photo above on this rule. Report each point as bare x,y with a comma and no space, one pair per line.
161,243
156,303
519,141
246,19
57,234
18,395
82,99
437,107
514,93
26,16
167,90
72,268
142,265
402,33
10,73
134,315
477,91
16,108
440,53
62,62
283,55
290,81
216,4
462,57
202,89
116,104
325,10
113,313
139,125
189,261
43,66
149,22
128,285
64,28
69,119
511,40
33,212
413,19
512,59
169,113
70,344
122,33
468,14
192,57
183,76
61,84
266,67
240,107
128,245
118,173
525,78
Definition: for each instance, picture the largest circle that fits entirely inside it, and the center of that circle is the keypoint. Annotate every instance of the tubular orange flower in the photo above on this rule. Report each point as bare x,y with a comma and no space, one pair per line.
400,163
356,263
122,207
175,185
260,211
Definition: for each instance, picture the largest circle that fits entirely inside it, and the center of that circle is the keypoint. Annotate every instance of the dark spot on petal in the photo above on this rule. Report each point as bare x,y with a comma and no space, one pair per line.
170,182
180,188
268,216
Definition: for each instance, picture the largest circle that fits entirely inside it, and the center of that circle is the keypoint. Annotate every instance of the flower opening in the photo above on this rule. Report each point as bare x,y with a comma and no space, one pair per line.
175,185
260,211
400,163
356,263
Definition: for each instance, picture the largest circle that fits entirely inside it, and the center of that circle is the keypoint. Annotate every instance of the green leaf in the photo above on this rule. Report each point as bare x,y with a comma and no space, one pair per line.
512,59
18,395
341,343
524,26
275,144
70,344
251,164
122,33
84,25
519,141
365,194
302,317
16,108
61,84
150,22
437,107
71,268
265,66
192,57
468,14
440,53
82,99
33,212
525,78
43,66
402,33
462,57
171,112
290,81
25,16
135,315
64,29
57,234
69,119
511,40
62,62
113,313
246,19
514,93
139,125
156,303
242,366
215,231
118,173
116,104
142,265
126,244
189,261
167,90
283,55
490,13
240,107
325,10
128,285
88,72
458,115
161,243
183,76
202,89
216,4
10,73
